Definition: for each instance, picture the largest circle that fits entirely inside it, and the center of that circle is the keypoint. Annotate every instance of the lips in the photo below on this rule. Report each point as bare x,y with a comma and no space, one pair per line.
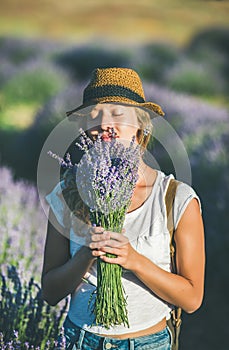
108,136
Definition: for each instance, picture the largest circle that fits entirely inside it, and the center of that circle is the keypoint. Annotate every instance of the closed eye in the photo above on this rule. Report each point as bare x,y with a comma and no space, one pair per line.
117,114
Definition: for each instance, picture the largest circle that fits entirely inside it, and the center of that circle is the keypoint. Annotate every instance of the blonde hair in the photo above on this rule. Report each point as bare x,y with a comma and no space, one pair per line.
146,127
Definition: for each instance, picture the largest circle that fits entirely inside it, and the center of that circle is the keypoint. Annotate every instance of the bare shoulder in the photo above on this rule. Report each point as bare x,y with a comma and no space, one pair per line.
191,218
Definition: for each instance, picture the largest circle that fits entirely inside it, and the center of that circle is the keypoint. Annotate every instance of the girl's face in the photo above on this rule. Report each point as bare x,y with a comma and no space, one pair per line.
105,117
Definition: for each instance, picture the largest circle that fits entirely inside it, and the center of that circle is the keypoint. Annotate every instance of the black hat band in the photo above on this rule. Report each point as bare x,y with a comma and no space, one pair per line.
111,90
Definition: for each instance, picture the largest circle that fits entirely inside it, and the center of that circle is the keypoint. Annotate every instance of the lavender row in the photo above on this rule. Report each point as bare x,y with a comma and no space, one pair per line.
22,225
26,321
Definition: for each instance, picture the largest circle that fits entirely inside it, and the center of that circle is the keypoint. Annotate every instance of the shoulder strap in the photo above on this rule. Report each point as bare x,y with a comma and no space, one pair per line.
169,200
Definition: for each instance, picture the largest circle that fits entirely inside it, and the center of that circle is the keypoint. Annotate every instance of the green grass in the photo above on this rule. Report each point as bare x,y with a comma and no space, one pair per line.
114,24
18,117
129,21
25,93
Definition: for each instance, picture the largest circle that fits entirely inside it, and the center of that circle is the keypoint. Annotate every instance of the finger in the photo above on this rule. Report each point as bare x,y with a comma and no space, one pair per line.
110,250
96,229
110,260
99,244
98,253
117,236
100,237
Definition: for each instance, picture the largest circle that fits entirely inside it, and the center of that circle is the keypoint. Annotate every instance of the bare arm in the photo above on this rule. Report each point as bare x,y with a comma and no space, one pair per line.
186,288
62,274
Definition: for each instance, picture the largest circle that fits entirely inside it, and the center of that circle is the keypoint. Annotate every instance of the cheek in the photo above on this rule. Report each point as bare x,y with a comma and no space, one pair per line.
92,124
131,130
127,134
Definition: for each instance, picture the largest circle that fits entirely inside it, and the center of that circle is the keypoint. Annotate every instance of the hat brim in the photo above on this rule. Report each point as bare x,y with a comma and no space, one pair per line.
154,109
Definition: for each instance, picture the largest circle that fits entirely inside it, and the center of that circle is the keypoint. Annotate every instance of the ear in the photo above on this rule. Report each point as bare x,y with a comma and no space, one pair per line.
142,137
139,136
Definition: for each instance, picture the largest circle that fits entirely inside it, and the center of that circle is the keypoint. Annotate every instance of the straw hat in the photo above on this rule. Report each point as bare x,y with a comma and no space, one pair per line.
120,85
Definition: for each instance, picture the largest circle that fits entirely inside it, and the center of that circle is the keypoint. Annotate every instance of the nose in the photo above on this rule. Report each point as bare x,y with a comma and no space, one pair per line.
106,121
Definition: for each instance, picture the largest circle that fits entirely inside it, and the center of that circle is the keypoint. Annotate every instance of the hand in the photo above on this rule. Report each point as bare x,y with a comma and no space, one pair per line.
103,242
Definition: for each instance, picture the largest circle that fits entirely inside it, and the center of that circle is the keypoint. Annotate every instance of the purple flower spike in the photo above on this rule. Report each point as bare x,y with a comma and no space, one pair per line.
107,174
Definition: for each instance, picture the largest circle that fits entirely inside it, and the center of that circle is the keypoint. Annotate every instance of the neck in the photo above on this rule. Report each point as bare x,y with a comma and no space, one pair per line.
142,169
146,175
144,185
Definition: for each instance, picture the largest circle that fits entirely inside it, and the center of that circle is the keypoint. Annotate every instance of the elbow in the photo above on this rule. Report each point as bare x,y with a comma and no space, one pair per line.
48,294
194,299
191,310
49,298
194,305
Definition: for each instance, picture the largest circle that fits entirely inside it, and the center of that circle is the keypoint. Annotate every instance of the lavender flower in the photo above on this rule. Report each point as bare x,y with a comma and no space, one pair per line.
107,173
22,230
22,225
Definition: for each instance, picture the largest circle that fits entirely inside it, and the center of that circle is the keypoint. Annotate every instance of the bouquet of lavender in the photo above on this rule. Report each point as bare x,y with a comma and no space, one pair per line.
105,177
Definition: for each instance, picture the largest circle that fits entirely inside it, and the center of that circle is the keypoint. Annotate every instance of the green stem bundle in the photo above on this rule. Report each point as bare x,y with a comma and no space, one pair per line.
110,304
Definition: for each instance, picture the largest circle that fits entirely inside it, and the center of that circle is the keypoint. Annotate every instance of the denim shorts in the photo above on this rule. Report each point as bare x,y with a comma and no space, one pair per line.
76,338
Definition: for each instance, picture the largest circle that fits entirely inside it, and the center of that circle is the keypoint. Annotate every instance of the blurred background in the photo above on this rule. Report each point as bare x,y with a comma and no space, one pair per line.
47,52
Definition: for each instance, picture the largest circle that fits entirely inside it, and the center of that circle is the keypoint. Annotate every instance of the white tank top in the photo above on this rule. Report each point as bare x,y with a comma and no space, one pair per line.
146,228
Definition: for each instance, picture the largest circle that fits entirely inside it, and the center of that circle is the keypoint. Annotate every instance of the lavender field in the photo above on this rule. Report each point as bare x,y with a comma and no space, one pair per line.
39,81
25,322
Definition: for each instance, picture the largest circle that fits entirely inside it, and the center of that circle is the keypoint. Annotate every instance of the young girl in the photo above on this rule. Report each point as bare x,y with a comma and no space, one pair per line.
118,107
